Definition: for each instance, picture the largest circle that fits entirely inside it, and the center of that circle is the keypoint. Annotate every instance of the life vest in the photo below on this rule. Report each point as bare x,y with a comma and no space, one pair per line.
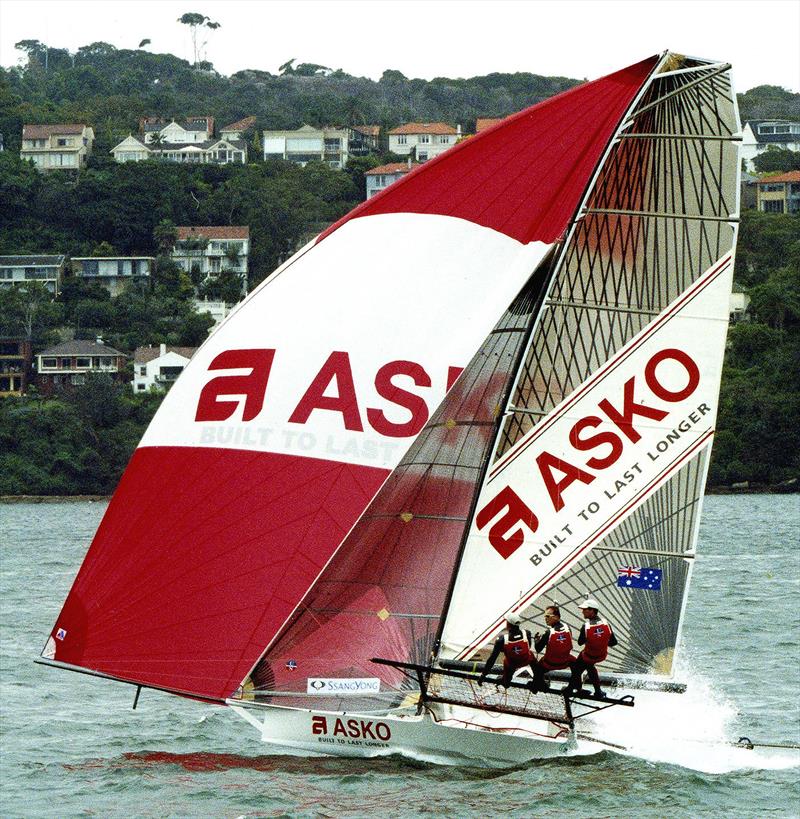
597,638
559,645
517,651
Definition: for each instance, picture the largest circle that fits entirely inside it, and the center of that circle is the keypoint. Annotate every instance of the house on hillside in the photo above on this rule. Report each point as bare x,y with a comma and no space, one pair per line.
15,365
307,144
57,147
363,139
192,141
780,193
384,175
16,270
482,123
211,249
423,140
114,273
759,136
157,368
68,363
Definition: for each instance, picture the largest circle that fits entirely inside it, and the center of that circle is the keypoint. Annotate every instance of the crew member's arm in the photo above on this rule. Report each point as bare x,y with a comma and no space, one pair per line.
496,649
582,635
541,643
613,641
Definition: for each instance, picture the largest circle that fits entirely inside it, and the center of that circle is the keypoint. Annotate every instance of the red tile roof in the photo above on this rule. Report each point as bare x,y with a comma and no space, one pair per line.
214,232
482,123
424,128
791,176
241,125
45,131
392,167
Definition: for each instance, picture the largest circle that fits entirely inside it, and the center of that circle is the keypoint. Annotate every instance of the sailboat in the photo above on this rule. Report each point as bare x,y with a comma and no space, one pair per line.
491,386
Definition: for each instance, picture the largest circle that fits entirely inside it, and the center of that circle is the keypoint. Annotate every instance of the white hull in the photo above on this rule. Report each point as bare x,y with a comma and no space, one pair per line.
456,735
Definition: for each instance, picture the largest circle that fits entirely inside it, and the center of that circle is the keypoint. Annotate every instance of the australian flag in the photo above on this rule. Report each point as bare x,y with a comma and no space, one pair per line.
639,577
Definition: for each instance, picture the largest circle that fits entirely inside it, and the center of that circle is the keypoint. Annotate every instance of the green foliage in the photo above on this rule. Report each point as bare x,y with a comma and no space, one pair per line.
769,102
778,159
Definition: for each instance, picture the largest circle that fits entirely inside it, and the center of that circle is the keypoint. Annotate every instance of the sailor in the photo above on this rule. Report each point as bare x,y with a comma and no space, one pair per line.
556,642
596,637
515,645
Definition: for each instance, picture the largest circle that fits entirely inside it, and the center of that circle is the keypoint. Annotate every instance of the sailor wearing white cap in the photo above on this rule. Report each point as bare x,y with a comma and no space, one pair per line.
597,637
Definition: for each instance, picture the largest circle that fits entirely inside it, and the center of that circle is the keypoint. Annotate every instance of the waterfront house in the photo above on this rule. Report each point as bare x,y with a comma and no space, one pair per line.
779,193
377,179
307,144
211,249
15,365
68,363
114,273
423,140
156,368
759,136
16,270
57,147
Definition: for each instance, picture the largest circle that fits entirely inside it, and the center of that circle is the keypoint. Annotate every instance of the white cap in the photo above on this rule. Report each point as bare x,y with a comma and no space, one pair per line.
589,603
513,619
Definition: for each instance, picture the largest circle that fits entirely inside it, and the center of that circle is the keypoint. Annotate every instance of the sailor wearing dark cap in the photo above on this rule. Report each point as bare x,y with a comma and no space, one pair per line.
515,645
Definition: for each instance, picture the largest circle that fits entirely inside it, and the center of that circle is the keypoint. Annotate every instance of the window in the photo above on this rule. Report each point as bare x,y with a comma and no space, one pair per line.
120,267
781,129
402,139
333,144
143,369
140,386
424,139
6,272
773,206
66,363
766,129
444,140
422,157
91,267
83,362
50,362
772,188
78,379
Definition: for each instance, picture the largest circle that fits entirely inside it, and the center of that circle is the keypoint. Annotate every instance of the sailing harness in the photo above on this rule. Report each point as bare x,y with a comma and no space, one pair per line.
598,636
557,653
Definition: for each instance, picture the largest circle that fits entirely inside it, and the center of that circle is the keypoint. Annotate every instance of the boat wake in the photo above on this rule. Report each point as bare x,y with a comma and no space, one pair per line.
699,730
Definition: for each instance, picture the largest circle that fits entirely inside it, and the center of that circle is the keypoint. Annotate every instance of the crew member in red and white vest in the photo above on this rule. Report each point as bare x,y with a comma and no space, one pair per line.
556,643
515,646
596,637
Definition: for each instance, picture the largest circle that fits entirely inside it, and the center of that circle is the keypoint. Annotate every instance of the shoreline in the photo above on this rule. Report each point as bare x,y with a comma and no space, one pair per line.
780,489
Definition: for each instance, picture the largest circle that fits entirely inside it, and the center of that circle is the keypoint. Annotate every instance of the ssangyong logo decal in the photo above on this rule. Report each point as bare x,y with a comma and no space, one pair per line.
342,731
343,685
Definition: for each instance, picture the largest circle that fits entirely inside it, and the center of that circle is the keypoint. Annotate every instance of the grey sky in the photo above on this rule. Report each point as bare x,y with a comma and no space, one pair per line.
429,38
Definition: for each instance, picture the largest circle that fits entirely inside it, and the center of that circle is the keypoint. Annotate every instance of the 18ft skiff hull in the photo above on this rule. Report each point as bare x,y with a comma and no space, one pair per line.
449,736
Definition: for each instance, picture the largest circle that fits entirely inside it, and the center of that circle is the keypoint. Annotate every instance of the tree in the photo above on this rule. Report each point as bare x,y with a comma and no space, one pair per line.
144,43
29,310
165,235
36,52
195,22
777,159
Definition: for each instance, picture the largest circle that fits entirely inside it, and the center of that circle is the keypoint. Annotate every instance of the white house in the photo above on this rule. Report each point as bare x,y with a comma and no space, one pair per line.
156,368
212,249
307,144
15,270
218,311
114,273
760,135
381,177
423,140
194,129
57,147
238,129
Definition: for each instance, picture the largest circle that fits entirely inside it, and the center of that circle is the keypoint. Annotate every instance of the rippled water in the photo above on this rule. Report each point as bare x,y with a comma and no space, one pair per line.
72,746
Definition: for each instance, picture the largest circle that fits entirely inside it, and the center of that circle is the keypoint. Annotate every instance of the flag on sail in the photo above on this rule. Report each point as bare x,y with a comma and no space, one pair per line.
639,577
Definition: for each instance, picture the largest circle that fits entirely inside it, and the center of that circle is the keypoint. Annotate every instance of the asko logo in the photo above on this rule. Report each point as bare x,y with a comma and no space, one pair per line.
351,728
606,447
332,390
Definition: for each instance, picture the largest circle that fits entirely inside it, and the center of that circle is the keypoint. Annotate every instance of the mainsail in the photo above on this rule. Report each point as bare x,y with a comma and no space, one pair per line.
291,416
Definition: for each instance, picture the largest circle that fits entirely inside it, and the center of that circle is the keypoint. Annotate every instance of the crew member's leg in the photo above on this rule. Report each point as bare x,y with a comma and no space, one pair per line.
594,678
577,669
